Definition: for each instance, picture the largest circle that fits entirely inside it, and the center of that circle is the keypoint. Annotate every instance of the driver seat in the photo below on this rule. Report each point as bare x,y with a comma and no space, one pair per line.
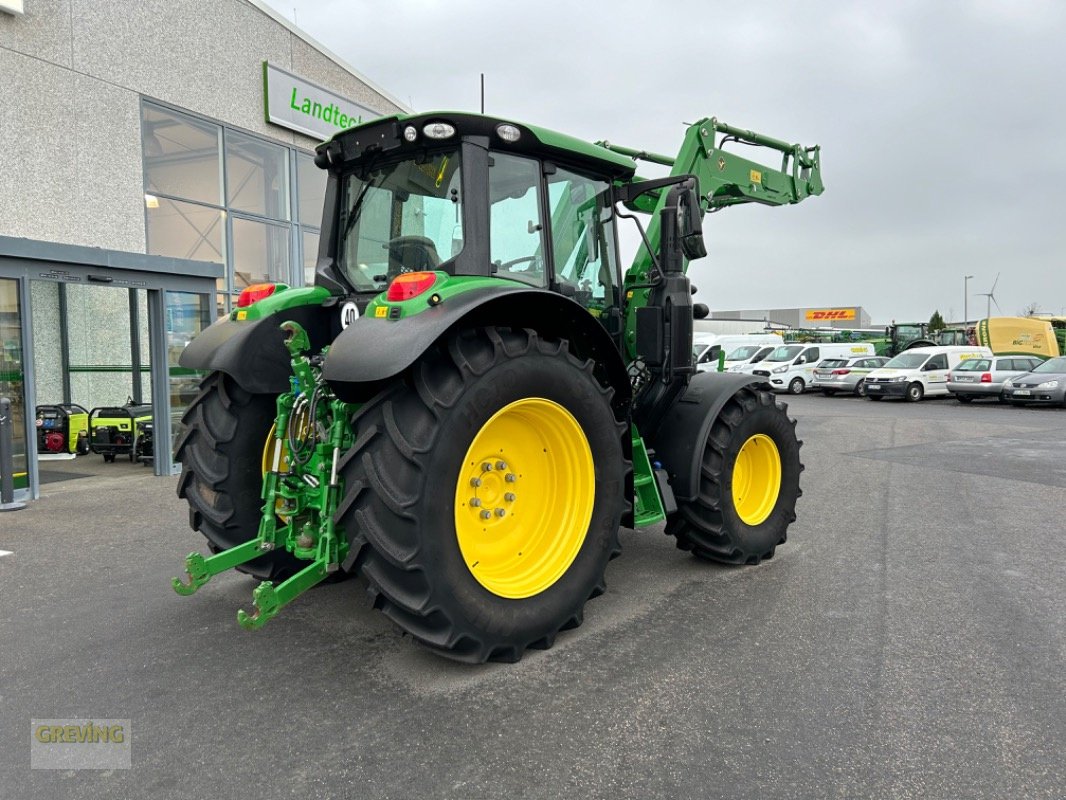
412,254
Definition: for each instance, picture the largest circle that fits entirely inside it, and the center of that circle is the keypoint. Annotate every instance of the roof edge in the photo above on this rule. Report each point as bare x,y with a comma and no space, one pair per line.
291,27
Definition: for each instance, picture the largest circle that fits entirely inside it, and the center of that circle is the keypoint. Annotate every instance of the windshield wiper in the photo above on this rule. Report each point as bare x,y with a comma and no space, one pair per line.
357,207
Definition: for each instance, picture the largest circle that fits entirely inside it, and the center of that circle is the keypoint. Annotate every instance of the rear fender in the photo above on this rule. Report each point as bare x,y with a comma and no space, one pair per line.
253,352
681,436
373,351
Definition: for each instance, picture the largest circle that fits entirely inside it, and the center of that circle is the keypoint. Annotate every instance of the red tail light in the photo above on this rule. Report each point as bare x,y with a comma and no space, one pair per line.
255,293
841,371
986,377
410,284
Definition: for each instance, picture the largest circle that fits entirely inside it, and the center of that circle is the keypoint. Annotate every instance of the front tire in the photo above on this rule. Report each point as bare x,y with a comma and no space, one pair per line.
915,392
796,386
749,484
425,488
221,453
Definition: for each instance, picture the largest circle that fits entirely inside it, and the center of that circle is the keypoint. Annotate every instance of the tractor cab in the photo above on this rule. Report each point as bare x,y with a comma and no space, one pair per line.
473,196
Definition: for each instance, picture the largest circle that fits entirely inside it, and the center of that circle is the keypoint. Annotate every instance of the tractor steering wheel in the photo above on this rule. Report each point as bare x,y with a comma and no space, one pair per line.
507,265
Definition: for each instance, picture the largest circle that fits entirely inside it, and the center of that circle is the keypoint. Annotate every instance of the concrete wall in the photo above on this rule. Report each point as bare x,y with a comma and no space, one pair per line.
72,74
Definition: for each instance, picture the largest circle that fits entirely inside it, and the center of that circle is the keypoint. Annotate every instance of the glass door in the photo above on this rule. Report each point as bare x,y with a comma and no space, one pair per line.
12,382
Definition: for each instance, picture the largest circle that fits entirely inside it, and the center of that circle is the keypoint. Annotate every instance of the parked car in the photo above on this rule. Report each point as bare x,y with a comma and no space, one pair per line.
983,377
791,366
1044,384
834,375
918,372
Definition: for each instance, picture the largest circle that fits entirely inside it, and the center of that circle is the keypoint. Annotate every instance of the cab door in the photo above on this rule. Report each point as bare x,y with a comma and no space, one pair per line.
935,374
584,246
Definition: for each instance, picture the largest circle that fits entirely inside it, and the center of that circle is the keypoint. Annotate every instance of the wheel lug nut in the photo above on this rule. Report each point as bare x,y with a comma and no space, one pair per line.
486,514
475,482
486,467
475,502
501,466
509,497
500,512
510,477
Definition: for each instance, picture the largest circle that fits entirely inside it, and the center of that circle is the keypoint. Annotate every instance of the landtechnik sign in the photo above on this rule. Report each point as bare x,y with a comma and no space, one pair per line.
300,105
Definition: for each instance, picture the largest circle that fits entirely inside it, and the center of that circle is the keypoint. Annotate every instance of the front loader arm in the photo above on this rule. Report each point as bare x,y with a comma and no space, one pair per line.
725,178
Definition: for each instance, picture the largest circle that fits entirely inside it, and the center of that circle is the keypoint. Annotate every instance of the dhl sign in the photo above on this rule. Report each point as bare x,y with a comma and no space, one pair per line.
827,314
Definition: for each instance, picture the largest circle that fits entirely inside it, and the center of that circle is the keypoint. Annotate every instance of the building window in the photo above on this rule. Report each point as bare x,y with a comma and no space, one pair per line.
257,176
214,193
184,230
260,252
181,156
312,182
309,244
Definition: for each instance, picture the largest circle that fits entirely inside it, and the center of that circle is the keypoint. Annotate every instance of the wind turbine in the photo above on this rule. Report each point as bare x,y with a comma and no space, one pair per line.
991,295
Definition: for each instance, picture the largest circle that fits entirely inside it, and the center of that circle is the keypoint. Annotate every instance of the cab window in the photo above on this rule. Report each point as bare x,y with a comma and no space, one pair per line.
516,246
936,362
583,242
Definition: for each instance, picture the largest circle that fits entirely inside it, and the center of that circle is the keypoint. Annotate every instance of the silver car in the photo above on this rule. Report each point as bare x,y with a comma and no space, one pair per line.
1044,384
975,378
845,374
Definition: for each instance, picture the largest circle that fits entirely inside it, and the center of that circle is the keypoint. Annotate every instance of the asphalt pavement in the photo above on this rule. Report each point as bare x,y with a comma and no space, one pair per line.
909,641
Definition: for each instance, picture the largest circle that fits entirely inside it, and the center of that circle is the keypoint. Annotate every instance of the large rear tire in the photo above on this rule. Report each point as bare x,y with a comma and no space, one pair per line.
749,484
494,420
221,453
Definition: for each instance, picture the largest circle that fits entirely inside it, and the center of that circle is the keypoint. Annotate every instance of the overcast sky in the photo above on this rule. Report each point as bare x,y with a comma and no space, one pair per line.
942,125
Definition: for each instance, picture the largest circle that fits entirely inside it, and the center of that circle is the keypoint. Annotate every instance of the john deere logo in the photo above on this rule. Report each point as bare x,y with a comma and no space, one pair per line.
830,314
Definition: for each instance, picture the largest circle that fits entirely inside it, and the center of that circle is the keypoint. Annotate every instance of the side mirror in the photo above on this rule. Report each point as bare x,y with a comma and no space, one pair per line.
690,225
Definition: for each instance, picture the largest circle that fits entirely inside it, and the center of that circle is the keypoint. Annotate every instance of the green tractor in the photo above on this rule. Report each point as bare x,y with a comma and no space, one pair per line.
473,397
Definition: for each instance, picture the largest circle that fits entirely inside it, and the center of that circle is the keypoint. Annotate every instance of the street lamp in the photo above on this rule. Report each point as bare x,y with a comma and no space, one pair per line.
965,301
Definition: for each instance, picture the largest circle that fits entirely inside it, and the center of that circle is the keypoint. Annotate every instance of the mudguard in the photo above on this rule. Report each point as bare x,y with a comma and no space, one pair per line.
374,350
681,437
253,352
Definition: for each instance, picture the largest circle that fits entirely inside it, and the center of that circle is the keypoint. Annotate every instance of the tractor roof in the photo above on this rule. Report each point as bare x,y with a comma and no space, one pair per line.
387,133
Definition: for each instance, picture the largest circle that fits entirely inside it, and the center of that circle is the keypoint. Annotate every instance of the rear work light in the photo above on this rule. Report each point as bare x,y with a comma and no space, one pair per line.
986,377
255,293
410,284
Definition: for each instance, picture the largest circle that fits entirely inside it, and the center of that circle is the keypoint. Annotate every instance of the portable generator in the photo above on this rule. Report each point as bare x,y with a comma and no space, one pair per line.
62,428
113,430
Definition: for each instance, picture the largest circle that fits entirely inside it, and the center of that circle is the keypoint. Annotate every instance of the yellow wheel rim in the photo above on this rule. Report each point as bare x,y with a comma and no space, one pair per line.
756,479
524,498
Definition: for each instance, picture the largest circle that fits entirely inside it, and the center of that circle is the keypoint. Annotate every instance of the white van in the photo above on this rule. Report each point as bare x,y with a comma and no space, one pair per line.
706,347
791,366
919,371
746,354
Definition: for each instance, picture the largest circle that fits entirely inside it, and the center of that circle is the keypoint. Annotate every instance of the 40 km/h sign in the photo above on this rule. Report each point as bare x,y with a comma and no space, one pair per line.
829,314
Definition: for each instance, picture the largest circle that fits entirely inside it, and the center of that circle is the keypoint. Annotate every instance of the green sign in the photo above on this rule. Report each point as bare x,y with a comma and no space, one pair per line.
298,104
